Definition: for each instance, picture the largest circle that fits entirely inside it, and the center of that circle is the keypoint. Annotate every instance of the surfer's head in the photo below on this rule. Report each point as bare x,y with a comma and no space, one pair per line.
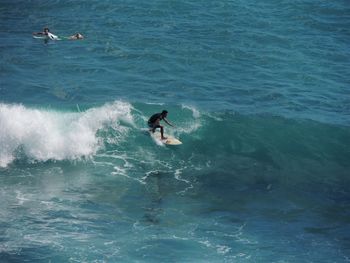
164,113
79,36
46,30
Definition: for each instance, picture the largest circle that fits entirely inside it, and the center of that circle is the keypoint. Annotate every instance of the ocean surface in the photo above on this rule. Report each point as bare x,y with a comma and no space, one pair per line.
259,92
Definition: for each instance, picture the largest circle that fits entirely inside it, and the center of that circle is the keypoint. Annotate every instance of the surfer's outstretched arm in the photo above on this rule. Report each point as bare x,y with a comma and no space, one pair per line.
38,34
168,122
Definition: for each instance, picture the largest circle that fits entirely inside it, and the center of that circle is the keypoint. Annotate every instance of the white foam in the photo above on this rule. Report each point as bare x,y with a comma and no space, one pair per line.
192,125
45,134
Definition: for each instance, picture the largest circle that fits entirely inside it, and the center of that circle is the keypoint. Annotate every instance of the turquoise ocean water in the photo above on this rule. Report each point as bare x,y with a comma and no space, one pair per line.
258,91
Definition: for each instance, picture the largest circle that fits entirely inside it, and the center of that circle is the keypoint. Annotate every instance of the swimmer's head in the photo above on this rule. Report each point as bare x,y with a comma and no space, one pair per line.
79,36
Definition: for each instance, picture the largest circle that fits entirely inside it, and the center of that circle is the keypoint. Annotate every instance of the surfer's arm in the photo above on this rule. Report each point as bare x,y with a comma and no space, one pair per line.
52,36
167,122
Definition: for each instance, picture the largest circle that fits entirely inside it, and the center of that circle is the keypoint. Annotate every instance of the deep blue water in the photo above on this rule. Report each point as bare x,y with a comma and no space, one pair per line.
258,91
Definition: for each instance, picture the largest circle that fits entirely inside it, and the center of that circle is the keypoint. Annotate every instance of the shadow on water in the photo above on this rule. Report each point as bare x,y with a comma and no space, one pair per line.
155,194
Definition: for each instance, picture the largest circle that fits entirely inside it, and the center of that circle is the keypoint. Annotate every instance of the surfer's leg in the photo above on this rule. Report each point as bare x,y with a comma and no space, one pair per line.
162,132
152,127
155,126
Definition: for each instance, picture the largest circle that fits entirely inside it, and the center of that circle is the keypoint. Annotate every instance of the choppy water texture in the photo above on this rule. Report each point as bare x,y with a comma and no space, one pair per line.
259,94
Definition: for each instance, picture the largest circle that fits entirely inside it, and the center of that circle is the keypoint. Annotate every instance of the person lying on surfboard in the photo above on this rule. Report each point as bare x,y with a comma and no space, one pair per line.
46,32
76,36
154,122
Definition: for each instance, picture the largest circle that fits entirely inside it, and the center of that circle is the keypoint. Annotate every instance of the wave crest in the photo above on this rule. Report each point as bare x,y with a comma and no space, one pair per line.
44,134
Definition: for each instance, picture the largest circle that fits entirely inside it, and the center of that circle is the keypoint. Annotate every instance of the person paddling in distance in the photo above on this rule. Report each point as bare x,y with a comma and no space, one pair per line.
154,122
46,32
76,36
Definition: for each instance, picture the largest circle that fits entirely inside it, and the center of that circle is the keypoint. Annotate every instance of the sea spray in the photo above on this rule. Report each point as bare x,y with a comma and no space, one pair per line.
46,134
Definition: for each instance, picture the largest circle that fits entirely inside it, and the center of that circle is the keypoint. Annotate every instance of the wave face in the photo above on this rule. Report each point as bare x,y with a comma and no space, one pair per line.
46,134
238,184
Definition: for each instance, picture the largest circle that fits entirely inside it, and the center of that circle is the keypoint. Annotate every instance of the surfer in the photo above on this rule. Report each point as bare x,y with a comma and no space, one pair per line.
76,36
153,122
46,32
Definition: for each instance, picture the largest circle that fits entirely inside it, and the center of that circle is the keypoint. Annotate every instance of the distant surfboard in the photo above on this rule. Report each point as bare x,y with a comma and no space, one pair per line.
170,140
49,36
40,37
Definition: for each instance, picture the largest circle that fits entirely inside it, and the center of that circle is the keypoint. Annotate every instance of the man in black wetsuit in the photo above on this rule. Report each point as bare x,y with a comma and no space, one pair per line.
153,122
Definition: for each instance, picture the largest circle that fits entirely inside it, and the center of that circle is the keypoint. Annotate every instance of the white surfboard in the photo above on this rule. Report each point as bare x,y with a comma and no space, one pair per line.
170,140
40,37
47,37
